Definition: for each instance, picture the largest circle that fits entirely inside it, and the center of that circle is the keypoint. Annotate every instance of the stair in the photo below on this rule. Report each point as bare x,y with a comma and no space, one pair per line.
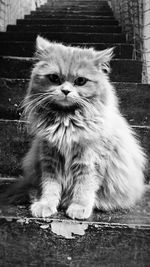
79,23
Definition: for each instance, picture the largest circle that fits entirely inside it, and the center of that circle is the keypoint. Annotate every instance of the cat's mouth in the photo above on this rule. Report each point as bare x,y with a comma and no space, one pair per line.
65,102
64,107
59,106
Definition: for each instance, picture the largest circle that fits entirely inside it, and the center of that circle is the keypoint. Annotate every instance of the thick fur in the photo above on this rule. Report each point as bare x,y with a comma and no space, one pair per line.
84,154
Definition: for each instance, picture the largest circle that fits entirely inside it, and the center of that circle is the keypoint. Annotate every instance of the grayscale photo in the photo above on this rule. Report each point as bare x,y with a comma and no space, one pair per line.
75,133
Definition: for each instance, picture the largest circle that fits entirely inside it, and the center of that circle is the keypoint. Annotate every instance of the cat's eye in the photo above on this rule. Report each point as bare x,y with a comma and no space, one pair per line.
54,78
80,81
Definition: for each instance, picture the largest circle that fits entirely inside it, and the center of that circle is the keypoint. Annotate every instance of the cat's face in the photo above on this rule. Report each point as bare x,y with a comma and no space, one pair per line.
67,78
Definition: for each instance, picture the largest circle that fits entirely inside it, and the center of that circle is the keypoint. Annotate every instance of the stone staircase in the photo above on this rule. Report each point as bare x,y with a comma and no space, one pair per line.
84,23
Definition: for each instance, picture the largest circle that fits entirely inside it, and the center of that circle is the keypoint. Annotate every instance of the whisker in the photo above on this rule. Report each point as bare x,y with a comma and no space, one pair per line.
29,96
36,100
32,105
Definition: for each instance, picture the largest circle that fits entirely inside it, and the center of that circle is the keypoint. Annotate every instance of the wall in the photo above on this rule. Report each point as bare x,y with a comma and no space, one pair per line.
134,17
10,10
146,41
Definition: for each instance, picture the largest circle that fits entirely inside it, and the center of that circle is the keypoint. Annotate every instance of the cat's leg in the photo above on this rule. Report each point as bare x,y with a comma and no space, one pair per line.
49,200
84,192
84,195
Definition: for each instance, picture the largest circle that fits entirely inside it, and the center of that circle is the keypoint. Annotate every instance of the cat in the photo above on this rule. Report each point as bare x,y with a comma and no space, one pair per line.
84,154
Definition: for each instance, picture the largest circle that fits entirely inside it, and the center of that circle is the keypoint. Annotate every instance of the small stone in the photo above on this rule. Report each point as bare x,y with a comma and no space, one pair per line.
69,258
9,219
44,226
21,220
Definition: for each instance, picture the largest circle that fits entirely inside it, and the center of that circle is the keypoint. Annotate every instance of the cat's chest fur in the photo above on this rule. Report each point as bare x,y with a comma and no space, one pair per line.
65,135
70,144
66,131
63,164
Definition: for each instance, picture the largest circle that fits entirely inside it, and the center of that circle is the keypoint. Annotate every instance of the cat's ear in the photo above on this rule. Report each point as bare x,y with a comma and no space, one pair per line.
103,59
42,44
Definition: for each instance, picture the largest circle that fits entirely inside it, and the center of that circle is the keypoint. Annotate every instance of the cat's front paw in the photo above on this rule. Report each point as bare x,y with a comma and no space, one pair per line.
76,211
41,209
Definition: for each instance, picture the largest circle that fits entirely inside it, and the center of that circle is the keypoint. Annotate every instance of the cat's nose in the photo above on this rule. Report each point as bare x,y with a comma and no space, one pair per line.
66,92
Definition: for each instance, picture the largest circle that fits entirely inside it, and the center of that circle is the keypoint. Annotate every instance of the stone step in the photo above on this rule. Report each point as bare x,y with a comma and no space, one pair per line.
14,143
49,2
74,16
65,37
107,239
72,2
135,218
123,70
62,13
76,3
66,21
80,7
65,28
75,9
87,7
134,100
27,49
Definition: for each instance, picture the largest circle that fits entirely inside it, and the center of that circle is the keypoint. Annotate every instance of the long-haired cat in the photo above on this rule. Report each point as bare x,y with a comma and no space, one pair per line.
84,154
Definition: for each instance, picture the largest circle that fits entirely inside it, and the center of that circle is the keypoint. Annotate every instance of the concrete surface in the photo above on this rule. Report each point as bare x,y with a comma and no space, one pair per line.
113,239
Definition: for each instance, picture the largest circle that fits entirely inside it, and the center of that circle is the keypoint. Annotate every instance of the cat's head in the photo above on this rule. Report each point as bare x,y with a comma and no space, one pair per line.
66,79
